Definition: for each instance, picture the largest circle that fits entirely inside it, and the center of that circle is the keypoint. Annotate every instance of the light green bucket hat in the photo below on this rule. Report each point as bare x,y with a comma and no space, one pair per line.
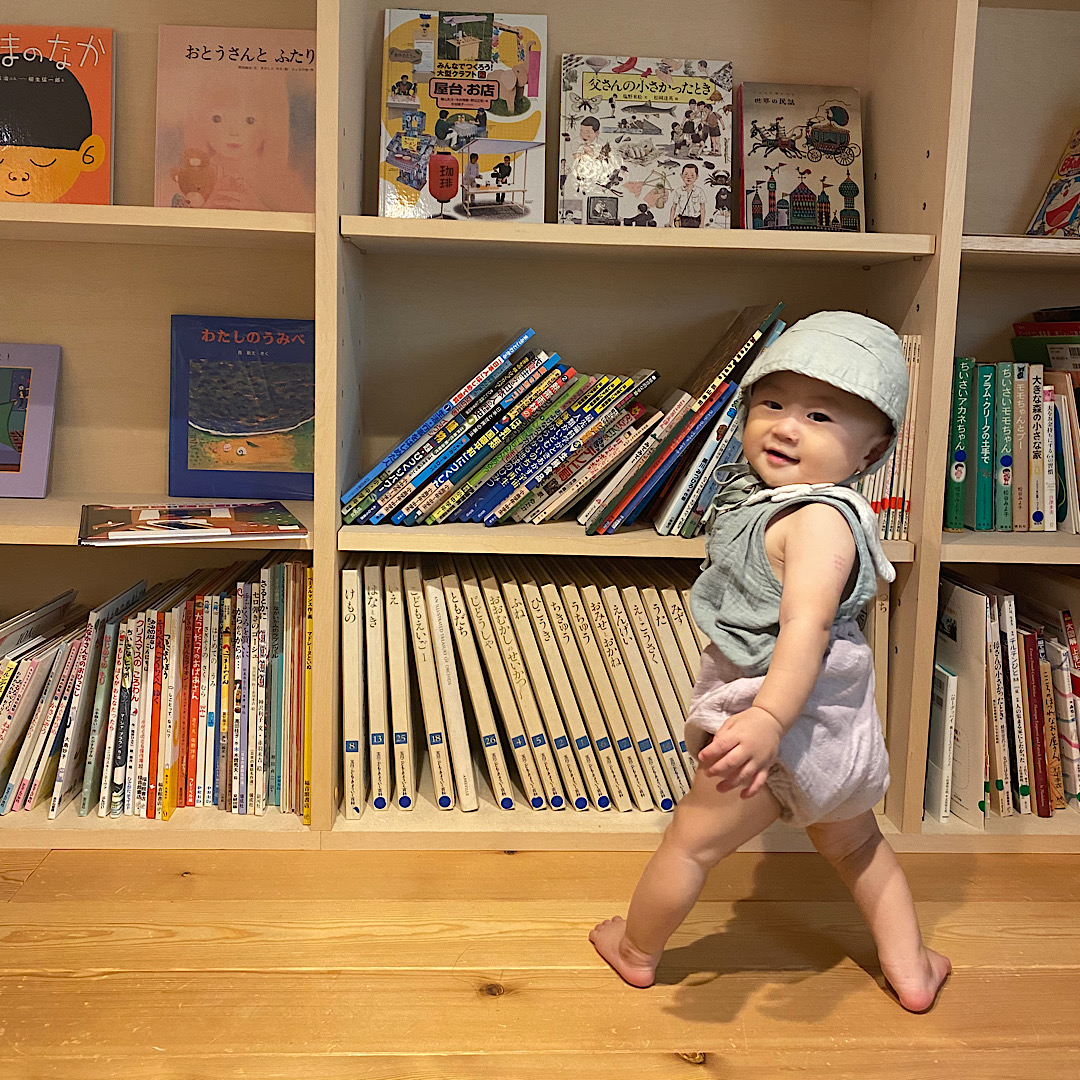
849,351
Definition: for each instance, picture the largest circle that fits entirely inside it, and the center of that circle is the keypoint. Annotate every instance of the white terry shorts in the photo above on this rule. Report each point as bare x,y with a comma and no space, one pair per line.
832,763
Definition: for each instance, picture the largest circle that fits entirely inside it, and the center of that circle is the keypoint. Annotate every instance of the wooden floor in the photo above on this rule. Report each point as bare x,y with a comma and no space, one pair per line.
417,966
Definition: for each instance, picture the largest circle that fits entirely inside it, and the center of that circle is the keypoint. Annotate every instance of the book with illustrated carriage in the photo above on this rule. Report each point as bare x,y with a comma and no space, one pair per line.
645,142
800,158
462,115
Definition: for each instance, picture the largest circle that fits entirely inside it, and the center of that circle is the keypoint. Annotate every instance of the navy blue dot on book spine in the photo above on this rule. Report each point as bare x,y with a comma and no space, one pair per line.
960,455
1037,516
380,803
603,802
556,801
581,802
507,803
1006,460
444,801
666,804
537,801
404,802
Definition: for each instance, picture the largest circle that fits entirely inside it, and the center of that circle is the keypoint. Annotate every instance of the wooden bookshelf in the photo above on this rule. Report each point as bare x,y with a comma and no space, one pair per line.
1017,547
405,309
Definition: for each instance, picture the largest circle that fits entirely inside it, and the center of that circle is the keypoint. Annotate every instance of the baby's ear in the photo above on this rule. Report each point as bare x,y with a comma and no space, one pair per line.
877,451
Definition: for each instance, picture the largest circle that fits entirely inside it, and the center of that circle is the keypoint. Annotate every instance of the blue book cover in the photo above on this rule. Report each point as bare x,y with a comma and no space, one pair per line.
242,408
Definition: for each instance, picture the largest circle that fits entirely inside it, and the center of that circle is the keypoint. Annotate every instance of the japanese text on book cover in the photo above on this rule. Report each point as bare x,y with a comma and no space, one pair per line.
56,113
645,141
1059,211
463,115
800,158
235,118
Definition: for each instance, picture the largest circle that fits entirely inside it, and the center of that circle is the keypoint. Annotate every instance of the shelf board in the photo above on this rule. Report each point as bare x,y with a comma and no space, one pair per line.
502,240
189,827
1034,253
551,538
156,225
1019,833
1010,547
55,520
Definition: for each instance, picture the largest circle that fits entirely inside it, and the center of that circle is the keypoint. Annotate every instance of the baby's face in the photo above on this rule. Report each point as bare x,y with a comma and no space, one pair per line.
233,131
803,431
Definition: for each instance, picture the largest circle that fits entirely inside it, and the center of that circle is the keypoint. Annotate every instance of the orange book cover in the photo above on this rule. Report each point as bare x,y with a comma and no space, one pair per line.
235,118
56,106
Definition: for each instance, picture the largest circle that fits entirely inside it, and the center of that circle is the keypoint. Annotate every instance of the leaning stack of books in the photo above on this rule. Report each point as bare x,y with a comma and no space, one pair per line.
530,439
564,683
193,692
1006,698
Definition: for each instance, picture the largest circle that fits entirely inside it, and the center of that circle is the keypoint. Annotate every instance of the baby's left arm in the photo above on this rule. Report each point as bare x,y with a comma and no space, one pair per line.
818,555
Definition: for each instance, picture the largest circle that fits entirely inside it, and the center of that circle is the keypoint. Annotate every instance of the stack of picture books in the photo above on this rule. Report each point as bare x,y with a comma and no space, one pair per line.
1014,437
889,489
192,692
1003,719
532,682
529,439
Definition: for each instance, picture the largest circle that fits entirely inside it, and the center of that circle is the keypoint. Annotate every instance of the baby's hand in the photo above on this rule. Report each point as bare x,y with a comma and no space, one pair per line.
741,752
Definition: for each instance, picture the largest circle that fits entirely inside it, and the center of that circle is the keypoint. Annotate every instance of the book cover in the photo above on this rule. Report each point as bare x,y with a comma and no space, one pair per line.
1061,351
235,118
462,115
785,126
645,142
56,114
242,408
1059,212
186,523
28,378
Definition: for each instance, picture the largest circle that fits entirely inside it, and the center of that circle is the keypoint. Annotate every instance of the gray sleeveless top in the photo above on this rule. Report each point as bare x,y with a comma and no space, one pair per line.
736,600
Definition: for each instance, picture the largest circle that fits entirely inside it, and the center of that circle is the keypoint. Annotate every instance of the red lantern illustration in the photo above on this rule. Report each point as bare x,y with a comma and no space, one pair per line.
443,170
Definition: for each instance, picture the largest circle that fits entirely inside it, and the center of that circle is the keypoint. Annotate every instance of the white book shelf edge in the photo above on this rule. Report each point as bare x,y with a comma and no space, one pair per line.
398,236
156,225
554,538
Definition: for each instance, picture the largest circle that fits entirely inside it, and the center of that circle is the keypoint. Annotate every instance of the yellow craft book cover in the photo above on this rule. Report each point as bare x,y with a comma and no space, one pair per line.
56,123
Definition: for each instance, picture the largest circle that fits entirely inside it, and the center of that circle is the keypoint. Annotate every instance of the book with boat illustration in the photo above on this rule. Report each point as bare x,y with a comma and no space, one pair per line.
28,377
645,142
187,523
242,415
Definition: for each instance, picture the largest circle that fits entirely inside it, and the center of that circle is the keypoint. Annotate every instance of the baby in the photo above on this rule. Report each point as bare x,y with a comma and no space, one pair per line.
783,722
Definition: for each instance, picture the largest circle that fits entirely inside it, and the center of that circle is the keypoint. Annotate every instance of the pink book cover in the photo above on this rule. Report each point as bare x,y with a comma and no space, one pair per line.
235,119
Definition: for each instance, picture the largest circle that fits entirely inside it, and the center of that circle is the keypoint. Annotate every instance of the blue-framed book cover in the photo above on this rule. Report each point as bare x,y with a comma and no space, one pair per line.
242,408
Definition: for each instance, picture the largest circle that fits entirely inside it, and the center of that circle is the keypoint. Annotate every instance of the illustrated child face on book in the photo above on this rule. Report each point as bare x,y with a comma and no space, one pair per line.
46,132
824,403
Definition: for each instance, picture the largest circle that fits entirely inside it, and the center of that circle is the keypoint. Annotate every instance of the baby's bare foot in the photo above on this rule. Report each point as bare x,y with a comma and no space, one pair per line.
917,986
635,967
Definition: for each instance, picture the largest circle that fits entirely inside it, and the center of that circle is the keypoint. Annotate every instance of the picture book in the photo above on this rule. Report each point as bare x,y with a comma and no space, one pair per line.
645,142
184,524
28,377
235,118
56,113
462,115
242,412
1059,212
815,132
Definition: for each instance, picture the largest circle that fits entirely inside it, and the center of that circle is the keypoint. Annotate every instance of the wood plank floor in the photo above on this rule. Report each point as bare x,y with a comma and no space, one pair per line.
476,966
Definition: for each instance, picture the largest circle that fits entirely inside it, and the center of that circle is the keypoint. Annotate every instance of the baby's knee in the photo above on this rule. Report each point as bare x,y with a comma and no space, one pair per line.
845,842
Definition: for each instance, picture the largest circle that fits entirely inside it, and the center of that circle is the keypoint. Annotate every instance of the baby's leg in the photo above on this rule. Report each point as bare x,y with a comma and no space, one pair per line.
868,866
707,826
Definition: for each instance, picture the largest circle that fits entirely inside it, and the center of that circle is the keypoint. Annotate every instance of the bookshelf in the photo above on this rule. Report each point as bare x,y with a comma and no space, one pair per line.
405,309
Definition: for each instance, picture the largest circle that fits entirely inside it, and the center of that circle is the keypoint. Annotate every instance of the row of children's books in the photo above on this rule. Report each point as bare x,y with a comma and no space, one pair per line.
1006,697
1014,448
531,439
192,692
566,682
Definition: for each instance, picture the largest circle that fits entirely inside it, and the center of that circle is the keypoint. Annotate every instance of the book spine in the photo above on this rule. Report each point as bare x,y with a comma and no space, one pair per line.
1033,683
1050,731
465,394
1052,497
984,450
225,709
1021,431
1036,445
309,662
1003,448
113,790
1018,757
